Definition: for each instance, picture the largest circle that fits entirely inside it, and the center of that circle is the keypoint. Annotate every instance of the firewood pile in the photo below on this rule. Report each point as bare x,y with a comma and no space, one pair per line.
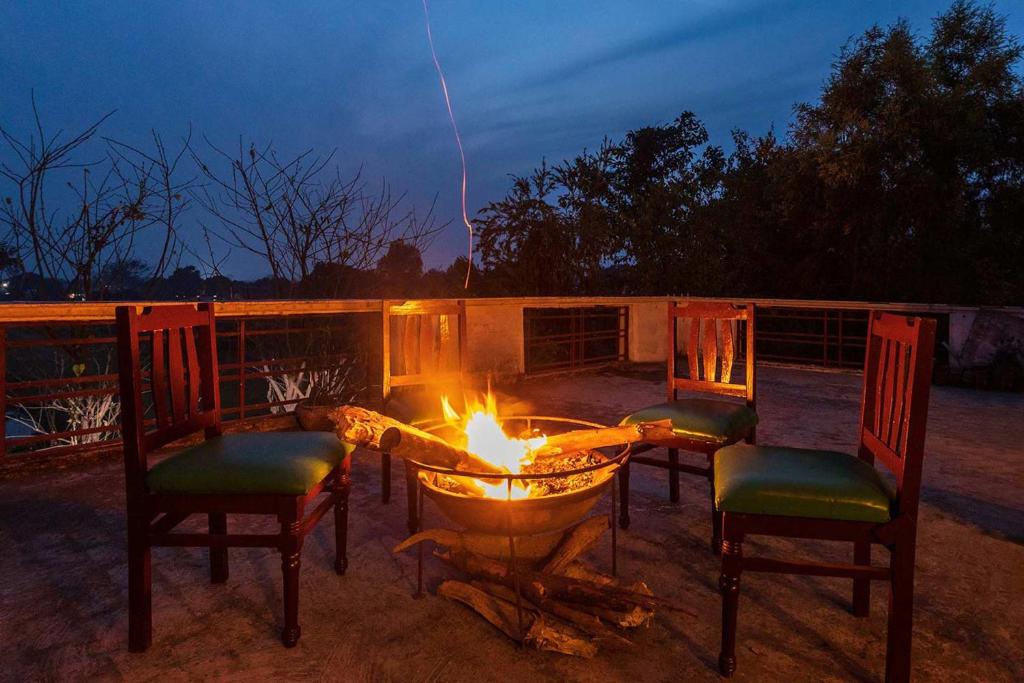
567,607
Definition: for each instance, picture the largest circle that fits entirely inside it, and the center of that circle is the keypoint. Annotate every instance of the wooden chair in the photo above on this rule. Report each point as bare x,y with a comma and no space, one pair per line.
424,355
705,424
798,493
279,474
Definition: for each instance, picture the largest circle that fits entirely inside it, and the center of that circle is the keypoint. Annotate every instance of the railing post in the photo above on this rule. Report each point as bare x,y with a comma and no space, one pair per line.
241,368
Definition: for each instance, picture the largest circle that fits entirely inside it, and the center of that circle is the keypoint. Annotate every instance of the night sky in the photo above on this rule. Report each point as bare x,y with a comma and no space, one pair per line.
528,79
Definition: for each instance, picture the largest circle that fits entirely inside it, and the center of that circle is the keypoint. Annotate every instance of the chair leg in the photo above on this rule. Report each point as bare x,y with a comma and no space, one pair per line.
291,562
716,515
385,477
218,522
624,496
411,484
343,484
729,587
673,475
140,595
901,613
861,587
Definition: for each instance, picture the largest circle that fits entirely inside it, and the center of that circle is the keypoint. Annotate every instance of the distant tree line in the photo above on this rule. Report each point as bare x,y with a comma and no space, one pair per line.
904,181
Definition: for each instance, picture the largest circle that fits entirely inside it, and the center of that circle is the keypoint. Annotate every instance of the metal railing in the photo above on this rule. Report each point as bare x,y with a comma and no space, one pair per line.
561,339
60,384
61,356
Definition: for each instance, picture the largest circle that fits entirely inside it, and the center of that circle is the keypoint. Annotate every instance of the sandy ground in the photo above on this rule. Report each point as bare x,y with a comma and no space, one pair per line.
63,591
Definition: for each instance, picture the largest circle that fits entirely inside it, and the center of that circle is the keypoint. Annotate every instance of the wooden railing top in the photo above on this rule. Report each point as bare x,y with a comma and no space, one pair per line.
103,311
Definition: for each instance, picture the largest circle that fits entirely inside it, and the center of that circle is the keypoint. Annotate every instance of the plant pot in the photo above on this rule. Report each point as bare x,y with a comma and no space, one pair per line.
313,417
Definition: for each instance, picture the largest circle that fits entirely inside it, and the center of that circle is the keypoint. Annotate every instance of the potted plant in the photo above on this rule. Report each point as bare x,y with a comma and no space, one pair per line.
327,389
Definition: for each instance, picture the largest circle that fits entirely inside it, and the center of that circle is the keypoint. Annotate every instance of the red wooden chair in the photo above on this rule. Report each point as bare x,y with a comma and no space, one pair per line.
705,423
279,474
799,493
424,355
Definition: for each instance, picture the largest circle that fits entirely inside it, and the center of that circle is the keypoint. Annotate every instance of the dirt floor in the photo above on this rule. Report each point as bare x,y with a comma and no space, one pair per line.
63,584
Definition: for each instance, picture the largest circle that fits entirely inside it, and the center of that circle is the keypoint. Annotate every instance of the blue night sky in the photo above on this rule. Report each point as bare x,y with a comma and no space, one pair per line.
529,79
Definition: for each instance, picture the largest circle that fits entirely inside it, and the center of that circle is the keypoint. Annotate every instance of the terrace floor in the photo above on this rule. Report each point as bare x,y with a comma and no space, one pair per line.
63,586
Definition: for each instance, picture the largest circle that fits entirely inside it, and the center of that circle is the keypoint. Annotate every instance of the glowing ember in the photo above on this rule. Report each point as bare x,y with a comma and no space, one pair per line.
485,438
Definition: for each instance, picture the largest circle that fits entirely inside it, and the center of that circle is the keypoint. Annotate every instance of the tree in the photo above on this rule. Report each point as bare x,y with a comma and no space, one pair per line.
399,270
128,195
299,213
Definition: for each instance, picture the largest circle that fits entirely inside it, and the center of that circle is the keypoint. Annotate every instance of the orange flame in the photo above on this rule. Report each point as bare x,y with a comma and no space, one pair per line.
486,439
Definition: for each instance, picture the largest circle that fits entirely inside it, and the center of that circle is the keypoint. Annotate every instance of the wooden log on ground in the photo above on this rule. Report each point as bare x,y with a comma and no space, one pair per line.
590,439
370,429
575,542
588,623
539,632
539,587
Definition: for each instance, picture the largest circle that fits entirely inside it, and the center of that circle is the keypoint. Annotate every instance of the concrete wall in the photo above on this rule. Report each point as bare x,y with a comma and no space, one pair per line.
648,340
495,339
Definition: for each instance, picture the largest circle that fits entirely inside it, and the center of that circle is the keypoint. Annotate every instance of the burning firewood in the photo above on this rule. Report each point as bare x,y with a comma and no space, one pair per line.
372,430
590,439
369,429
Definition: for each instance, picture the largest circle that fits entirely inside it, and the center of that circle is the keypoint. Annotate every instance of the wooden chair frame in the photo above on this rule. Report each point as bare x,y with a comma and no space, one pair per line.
424,349
894,413
713,367
191,379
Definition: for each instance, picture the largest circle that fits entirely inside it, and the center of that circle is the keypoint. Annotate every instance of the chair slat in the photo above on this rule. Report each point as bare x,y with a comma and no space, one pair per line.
892,434
176,373
901,414
192,360
889,391
883,362
728,350
692,344
158,380
709,348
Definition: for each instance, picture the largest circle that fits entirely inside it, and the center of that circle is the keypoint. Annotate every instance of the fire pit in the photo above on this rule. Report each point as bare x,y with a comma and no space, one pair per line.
506,511
520,488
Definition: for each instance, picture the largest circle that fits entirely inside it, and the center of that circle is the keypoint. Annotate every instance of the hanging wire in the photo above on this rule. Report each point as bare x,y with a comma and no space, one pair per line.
458,139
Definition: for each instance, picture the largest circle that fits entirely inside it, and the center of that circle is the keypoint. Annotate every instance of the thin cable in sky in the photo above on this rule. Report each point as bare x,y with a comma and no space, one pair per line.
458,139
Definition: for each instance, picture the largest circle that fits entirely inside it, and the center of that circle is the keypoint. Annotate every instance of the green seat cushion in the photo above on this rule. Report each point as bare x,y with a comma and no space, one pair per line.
796,482
283,463
701,419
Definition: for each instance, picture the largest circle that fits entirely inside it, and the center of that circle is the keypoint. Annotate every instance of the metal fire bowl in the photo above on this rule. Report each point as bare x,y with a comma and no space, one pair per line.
525,516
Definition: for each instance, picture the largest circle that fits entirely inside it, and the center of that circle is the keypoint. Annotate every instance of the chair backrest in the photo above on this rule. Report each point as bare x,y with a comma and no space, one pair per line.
711,348
178,343
424,344
894,407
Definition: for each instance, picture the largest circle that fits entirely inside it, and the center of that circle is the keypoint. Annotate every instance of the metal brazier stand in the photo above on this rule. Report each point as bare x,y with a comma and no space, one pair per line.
514,518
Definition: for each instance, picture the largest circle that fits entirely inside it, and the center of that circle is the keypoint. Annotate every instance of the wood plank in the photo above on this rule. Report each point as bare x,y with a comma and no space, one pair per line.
728,350
176,373
192,359
709,348
158,380
692,346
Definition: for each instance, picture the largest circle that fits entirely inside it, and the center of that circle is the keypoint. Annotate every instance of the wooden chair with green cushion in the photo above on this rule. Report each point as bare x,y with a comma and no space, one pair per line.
281,474
723,411
424,354
800,493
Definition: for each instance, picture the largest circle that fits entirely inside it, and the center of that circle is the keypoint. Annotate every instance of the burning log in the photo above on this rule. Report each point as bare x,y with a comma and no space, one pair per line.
540,632
601,437
369,429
